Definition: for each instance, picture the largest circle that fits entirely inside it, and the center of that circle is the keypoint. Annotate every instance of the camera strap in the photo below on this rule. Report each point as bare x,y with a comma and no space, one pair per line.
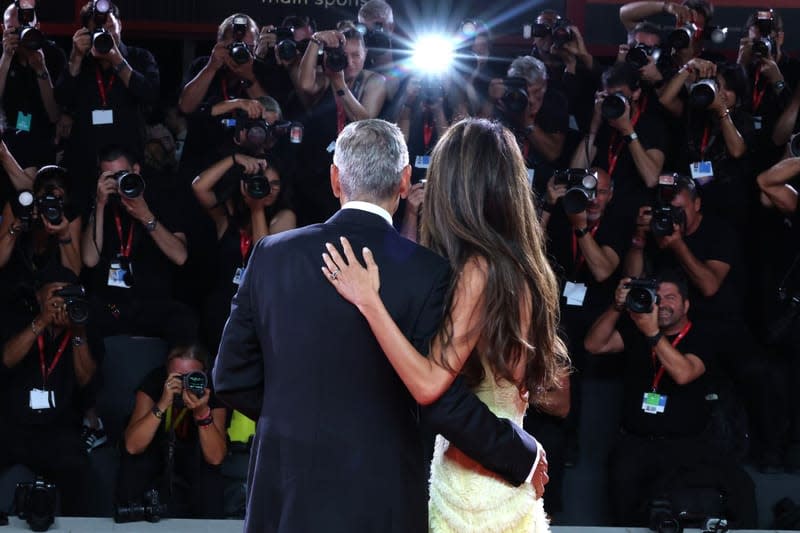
169,425
103,89
758,95
427,132
124,249
341,115
245,243
615,144
675,341
578,259
47,370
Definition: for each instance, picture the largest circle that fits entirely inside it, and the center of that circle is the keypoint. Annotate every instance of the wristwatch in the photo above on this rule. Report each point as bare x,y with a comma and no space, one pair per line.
44,75
122,66
580,232
151,225
630,138
779,86
157,412
653,340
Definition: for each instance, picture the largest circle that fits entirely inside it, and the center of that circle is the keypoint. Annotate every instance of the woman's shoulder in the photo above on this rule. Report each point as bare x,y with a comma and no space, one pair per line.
373,78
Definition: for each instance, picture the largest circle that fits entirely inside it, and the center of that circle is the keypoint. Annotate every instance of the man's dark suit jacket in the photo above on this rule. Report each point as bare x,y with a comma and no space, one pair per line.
338,445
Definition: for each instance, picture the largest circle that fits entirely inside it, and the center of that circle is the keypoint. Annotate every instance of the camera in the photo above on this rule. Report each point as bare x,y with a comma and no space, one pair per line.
639,56
282,33
763,47
129,184
642,294
77,305
661,517
681,38
29,37
664,215
703,93
258,131
560,31
581,188
256,186
613,106
150,509
35,502
51,207
238,49
515,97
335,59
794,145
376,38
102,41
431,89
22,207
765,22
195,382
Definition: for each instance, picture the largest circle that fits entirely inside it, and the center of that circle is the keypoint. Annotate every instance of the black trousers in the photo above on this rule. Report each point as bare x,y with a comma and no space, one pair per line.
198,487
55,452
642,468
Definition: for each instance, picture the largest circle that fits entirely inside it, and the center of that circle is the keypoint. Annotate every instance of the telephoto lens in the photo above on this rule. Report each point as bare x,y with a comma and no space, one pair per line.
613,106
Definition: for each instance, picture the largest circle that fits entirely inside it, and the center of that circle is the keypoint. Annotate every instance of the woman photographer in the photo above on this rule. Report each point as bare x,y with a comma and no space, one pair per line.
48,229
171,421
245,198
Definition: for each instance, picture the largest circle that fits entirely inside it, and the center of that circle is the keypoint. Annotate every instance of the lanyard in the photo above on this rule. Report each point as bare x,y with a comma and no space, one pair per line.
341,117
427,133
168,424
224,89
577,257
47,370
757,95
614,151
245,242
102,88
124,250
675,341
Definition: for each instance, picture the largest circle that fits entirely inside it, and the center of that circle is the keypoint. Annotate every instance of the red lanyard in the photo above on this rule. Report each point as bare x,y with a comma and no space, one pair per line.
427,133
614,151
47,370
102,88
578,258
124,250
675,341
757,95
224,89
245,241
704,142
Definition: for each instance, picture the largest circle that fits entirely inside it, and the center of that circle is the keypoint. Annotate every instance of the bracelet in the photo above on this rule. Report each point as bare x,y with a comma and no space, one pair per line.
44,75
205,415
339,92
637,242
68,240
630,138
122,66
36,331
580,232
157,412
725,114
653,340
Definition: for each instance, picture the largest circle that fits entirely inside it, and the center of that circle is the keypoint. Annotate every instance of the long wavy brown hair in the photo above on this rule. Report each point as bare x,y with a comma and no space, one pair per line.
478,203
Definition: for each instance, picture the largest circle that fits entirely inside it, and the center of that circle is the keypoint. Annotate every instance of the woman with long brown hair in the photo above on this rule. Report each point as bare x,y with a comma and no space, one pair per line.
501,324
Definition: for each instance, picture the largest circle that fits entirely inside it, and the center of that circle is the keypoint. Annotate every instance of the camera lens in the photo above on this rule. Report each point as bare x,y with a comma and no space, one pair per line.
130,184
613,106
256,186
794,145
31,38
639,300
703,93
102,41
335,59
637,57
240,53
287,49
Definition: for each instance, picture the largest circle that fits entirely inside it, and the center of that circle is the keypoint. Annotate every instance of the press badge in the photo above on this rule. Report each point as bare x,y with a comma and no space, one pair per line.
331,147
702,172
422,161
531,173
24,121
237,276
119,275
575,293
757,122
102,116
654,403
42,399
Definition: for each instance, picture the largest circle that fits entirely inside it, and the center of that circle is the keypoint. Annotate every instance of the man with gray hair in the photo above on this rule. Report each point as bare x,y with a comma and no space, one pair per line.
338,444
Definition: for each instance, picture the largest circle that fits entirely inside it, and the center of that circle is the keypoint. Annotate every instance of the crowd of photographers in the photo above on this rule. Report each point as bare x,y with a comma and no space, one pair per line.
665,177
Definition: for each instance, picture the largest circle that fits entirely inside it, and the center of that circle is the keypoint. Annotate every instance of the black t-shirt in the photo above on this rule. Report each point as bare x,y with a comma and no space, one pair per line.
153,272
611,231
629,186
713,240
16,383
686,411
185,429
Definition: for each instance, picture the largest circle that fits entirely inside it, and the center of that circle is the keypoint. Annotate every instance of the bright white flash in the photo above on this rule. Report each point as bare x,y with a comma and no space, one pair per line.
432,54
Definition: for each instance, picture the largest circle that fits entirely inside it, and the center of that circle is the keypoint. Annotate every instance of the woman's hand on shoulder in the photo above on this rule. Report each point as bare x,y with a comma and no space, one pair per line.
355,283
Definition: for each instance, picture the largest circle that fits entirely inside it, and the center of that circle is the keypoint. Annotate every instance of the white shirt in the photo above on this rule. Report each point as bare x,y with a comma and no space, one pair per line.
370,208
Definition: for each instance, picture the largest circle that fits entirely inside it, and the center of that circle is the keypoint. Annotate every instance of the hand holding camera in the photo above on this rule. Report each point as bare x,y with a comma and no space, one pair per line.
416,196
173,387
81,43
251,166
53,309
267,39
252,108
220,55
10,43
555,191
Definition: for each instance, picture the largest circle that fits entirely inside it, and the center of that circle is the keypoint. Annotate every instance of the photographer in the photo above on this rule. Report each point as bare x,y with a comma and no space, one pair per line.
215,78
28,70
245,198
46,361
175,434
706,250
48,228
626,137
646,38
715,135
104,88
668,359
133,241
539,120
335,97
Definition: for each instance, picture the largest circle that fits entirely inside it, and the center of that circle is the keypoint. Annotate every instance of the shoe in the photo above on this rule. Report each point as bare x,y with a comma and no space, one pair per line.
93,438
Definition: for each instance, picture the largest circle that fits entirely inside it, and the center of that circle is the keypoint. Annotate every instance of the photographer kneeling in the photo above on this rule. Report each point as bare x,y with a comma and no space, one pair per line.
176,431
664,407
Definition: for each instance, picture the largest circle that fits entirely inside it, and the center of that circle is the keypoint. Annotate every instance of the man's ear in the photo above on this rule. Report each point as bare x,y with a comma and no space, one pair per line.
336,186
685,306
405,181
